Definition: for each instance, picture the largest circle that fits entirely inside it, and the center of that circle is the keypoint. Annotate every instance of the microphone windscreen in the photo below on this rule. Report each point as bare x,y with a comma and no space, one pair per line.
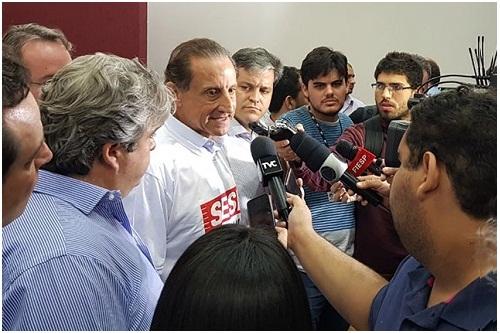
261,147
310,151
346,150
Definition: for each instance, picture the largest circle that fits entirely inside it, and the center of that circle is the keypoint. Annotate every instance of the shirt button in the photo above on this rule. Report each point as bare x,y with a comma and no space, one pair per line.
111,196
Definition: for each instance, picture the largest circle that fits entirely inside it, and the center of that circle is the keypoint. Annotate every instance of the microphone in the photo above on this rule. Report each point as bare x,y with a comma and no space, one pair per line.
395,132
319,158
361,158
265,156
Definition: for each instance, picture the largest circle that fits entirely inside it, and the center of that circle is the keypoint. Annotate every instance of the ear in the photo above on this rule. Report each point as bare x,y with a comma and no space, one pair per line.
176,91
112,153
289,102
304,90
431,174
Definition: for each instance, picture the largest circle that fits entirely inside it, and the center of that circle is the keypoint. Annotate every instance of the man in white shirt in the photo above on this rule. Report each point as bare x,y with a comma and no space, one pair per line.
257,72
188,188
351,103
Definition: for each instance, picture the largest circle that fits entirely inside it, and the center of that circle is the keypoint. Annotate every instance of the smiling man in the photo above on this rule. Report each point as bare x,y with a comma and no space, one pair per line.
189,189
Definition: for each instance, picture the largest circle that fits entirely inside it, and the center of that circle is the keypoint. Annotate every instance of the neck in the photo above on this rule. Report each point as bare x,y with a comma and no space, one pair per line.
324,116
460,259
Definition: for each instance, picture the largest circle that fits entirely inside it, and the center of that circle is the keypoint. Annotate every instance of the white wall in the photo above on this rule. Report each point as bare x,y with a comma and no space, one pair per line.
364,32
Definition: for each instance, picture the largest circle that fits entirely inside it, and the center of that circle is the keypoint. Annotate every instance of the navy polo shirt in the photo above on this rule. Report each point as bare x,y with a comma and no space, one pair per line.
402,304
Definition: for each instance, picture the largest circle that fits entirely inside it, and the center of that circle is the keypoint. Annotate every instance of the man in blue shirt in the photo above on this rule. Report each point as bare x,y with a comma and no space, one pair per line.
443,200
72,260
324,75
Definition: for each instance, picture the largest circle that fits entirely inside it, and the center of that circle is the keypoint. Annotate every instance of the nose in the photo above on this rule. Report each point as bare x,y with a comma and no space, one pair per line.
386,93
227,102
329,90
44,156
255,96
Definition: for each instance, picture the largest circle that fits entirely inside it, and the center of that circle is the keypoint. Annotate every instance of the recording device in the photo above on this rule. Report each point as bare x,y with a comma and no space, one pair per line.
280,130
260,211
265,156
361,158
395,132
319,158
291,184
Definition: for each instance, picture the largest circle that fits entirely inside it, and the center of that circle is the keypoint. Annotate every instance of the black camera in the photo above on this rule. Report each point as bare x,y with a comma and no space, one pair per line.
280,130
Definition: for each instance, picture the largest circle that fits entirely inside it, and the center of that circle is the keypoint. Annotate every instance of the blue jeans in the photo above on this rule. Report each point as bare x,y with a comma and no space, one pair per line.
324,316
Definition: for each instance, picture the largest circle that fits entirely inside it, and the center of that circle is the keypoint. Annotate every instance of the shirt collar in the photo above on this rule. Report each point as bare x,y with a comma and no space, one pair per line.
237,130
80,194
188,135
480,292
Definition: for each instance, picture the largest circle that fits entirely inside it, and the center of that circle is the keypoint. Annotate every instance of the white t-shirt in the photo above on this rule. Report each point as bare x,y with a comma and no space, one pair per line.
187,190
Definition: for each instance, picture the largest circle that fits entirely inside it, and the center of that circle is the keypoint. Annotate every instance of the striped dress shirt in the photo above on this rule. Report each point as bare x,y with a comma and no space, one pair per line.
72,262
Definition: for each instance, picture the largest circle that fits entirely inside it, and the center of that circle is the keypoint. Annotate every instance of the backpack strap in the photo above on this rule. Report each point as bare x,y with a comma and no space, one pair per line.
374,135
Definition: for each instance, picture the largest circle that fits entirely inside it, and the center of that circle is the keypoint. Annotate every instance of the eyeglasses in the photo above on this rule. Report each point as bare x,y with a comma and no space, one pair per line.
393,87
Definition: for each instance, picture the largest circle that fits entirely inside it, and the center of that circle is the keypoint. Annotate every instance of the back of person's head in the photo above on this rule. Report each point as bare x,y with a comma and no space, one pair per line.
95,100
178,69
321,61
234,278
402,64
287,85
14,90
435,70
18,35
258,59
459,127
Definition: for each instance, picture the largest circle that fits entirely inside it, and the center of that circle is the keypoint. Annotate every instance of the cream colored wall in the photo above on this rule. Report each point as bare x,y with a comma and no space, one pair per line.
364,32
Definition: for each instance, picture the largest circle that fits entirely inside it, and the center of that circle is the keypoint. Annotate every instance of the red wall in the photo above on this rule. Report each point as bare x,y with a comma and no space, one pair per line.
118,28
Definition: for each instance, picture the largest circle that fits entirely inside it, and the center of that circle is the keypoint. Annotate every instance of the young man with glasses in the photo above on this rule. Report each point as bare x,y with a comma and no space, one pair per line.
376,243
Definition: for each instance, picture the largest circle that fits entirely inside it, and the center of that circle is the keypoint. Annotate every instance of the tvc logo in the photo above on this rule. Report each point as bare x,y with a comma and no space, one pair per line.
270,164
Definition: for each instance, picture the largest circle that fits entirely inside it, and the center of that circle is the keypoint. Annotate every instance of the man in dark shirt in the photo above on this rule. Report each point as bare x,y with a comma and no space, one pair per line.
443,199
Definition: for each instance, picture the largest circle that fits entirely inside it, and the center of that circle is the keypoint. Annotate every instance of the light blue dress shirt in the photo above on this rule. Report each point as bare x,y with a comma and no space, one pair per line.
72,262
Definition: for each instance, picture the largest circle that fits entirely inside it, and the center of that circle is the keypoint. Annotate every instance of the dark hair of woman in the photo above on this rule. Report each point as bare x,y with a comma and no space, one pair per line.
234,278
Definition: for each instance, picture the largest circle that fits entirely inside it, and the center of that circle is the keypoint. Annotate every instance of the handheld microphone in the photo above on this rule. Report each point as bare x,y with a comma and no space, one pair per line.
319,158
395,132
361,158
265,156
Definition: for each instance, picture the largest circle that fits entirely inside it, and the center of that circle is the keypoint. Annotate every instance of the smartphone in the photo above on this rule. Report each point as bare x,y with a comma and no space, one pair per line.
260,211
291,184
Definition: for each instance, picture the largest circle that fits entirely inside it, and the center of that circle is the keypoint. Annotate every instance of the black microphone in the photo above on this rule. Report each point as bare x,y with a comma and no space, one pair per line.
317,157
361,158
265,156
395,132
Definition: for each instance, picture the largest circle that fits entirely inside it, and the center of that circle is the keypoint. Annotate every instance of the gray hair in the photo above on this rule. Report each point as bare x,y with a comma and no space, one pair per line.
99,99
178,69
258,59
18,35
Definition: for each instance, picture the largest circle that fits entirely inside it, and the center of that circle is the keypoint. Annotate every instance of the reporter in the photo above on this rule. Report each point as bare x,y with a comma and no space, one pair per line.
449,228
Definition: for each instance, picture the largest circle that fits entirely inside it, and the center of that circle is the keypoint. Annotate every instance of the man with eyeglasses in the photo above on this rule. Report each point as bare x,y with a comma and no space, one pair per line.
42,51
376,243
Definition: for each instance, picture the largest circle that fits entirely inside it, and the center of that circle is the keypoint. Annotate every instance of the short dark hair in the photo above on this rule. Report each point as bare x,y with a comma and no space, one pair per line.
459,127
321,61
178,69
258,59
403,64
234,278
15,80
287,85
